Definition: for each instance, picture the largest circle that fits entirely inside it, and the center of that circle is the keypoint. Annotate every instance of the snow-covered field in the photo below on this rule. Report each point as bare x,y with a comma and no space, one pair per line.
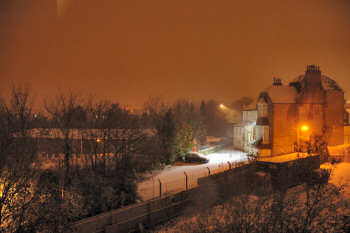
173,179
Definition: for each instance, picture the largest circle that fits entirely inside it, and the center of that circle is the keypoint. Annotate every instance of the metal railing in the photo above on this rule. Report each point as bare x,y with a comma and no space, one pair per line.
165,203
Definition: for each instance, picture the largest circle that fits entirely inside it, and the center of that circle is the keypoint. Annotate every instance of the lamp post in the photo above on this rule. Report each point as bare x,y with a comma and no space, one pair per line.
221,107
302,128
98,140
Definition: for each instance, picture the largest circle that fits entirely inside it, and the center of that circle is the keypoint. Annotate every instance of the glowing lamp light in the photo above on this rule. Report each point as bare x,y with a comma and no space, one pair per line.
98,140
304,128
221,105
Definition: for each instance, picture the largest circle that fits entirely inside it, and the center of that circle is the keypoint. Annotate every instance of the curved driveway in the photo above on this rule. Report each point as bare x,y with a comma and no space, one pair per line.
173,179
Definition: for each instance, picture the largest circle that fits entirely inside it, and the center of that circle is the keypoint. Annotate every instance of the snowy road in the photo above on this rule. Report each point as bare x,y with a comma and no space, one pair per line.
173,178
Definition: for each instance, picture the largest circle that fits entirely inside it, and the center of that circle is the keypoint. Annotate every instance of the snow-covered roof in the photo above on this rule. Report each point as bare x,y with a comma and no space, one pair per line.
281,94
289,94
327,83
251,106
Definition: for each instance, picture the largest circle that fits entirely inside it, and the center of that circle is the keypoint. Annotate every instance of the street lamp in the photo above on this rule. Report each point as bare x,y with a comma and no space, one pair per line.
303,128
221,107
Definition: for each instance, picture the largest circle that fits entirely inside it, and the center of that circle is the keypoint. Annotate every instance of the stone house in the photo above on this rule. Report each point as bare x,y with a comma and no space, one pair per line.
288,115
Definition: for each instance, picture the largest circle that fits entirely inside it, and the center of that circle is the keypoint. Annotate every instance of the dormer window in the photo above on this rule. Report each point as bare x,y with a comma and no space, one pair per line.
262,109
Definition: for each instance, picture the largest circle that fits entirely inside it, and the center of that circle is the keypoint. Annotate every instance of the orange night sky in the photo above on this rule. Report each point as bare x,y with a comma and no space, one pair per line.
126,51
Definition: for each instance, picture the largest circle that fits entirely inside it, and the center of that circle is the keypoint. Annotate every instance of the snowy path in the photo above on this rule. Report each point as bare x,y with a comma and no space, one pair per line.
173,179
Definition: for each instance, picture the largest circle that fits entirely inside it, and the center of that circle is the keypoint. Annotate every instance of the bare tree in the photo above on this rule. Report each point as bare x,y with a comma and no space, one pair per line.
17,159
64,111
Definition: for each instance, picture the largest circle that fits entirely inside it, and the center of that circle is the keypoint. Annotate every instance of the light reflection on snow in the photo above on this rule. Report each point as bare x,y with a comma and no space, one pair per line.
173,178
225,156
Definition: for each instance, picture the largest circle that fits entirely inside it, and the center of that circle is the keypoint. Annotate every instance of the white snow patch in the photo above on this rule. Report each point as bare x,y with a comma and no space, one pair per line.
284,158
173,179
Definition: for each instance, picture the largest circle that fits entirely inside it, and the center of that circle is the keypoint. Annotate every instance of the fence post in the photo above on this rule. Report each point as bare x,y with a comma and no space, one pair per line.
151,216
186,181
149,208
160,188
229,165
208,170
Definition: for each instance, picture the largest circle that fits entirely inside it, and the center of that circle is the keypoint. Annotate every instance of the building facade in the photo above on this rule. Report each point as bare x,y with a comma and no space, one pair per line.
288,115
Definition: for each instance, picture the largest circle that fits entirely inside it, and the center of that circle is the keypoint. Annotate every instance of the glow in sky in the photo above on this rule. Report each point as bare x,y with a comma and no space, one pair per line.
126,51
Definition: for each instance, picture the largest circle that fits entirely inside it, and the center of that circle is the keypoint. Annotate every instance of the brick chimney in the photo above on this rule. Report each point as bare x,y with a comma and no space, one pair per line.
313,79
277,81
313,91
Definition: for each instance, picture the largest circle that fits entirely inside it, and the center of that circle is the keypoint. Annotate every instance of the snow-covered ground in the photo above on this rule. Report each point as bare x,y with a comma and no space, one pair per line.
173,178
341,172
341,176
283,158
